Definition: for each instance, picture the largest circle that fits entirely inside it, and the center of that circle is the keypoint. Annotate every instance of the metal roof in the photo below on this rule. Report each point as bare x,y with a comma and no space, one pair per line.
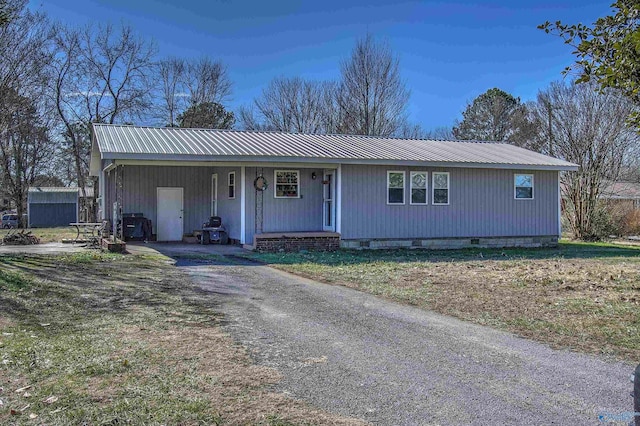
58,189
52,195
165,143
621,190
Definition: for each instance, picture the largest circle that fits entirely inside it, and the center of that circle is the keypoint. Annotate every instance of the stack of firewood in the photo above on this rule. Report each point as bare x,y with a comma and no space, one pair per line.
20,238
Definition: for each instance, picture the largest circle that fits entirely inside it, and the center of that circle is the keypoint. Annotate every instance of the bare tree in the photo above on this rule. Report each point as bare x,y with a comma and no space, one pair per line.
294,105
372,97
207,81
24,113
174,94
590,129
23,50
440,133
99,74
8,11
25,147
411,131
249,120
191,85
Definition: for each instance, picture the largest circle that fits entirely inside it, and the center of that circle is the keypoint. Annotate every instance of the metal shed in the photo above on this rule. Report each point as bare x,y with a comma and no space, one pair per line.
52,206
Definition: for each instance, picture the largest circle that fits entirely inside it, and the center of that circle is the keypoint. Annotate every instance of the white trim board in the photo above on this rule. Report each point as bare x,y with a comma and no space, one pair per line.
339,198
243,204
301,162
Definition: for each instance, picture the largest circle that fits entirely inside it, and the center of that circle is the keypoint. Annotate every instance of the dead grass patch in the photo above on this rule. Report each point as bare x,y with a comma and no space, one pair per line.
583,296
48,235
126,340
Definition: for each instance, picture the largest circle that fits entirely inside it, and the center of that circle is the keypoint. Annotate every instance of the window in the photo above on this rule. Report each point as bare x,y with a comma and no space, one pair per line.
440,188
523,187
395,187
287,184
232,184
418,187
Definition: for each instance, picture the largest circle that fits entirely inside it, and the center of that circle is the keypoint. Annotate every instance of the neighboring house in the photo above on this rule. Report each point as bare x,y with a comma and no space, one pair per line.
622,194
55,206
291,191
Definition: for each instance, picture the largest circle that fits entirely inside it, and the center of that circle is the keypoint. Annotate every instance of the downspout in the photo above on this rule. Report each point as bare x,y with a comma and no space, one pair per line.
339,199
559,208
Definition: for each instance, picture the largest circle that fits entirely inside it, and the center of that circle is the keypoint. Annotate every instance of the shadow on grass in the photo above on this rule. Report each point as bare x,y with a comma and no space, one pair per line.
69,290
565,250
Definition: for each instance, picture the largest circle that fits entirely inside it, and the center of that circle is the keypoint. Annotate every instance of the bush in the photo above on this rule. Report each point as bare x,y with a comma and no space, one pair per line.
605,222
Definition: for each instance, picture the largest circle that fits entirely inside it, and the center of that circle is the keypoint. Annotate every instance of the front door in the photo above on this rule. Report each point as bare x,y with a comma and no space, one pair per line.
170,212
328,201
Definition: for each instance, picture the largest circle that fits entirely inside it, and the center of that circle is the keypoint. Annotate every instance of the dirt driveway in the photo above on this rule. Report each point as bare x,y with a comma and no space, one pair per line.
358,355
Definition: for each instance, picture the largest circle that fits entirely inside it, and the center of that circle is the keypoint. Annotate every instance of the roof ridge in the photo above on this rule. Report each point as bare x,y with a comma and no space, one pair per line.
280,132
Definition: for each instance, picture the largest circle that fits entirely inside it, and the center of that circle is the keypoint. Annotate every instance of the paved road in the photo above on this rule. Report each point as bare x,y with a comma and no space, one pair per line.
360,356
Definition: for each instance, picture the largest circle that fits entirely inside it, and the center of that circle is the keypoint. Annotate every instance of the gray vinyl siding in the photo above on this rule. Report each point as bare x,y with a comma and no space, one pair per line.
481,204
285,215
52,214
140,185
229,208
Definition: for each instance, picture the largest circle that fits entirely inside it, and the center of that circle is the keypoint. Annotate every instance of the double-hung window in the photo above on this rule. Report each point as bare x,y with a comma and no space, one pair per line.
232,185
395,187
440,186
418,188
287,184
523,187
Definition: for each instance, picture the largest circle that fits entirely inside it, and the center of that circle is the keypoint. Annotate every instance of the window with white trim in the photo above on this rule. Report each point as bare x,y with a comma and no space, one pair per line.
418,182
395,187
440,186
523,187
232,185
287,184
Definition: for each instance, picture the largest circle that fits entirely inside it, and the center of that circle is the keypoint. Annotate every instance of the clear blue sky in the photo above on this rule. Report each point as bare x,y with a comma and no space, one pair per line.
450,52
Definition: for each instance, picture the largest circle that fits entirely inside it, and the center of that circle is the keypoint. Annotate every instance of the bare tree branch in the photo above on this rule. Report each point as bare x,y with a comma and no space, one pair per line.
372,97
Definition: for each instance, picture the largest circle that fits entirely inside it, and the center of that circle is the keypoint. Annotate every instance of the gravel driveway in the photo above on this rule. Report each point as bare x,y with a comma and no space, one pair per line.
361,356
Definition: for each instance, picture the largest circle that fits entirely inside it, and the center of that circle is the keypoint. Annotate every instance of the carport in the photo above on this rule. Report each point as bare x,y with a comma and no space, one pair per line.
52,206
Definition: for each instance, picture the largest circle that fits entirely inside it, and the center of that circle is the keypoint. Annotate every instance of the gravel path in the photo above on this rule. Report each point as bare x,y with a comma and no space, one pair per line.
360,356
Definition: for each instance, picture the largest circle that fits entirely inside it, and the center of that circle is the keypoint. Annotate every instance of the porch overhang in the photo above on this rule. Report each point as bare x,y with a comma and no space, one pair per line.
181,163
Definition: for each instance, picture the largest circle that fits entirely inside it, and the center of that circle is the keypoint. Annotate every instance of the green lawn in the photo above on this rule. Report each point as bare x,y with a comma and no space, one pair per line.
584,296
102,339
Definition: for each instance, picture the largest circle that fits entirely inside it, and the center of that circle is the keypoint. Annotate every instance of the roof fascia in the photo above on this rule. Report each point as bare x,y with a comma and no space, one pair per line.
200,160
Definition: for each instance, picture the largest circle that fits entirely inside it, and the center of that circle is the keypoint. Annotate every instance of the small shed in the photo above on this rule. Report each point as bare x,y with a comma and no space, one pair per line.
52,206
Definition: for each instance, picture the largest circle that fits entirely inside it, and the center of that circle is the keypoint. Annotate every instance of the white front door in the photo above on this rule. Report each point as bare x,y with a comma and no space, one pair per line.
328,201
214,194
170,212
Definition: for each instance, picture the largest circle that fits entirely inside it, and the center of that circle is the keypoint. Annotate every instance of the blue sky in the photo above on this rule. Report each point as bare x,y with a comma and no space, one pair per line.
450,52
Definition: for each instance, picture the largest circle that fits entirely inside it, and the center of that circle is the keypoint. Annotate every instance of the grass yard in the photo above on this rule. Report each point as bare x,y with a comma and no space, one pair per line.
580,296
48,235
110,339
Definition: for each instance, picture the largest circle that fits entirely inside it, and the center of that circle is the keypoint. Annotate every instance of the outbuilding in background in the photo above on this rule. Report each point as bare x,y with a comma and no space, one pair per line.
52,206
